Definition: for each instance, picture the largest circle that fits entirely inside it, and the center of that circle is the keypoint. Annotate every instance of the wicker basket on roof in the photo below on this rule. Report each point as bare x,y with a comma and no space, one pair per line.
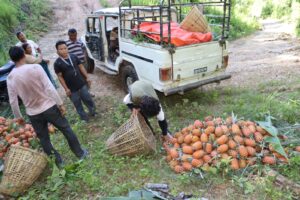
22,167
132,138
195,21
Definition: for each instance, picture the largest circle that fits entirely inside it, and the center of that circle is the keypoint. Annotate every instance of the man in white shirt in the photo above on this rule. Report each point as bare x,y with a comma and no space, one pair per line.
22,40
42,103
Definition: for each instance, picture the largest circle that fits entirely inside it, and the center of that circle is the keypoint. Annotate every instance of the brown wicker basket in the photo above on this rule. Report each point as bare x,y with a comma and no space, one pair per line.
195,22
132,138
22,167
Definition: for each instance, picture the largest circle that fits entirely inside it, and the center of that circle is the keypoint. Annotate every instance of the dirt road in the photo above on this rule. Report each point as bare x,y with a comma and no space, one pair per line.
270,54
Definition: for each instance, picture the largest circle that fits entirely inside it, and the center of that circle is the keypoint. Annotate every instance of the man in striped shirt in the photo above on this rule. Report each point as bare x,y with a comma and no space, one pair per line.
75,46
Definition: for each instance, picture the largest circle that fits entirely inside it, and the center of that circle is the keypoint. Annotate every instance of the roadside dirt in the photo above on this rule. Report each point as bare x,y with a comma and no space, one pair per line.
271,54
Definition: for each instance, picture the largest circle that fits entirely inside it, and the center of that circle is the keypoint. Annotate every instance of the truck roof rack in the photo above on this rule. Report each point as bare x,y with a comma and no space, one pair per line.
217,13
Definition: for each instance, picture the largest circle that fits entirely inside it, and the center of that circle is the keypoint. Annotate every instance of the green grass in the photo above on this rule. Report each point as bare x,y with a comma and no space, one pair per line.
32,17
105,175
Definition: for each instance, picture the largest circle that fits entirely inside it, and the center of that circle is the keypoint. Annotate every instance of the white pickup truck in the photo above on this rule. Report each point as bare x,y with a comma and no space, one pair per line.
114,47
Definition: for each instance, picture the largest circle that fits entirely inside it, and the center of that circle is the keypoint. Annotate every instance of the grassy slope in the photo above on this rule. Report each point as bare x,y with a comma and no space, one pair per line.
32,17
106,175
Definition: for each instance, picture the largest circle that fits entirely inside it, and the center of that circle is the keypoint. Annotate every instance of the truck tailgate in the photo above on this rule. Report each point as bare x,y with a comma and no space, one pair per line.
196,61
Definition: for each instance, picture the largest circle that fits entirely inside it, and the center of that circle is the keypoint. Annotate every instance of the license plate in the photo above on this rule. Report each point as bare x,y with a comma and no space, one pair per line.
200,70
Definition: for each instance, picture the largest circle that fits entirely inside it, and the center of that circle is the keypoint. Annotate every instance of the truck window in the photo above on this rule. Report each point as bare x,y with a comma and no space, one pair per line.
97,25
111,22
90,25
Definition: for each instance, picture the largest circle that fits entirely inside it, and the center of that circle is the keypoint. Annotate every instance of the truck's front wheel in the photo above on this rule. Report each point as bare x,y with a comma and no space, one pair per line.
128,77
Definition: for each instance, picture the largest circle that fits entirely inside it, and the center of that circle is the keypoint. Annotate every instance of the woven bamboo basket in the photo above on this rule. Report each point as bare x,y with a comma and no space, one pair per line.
22,167
195,22
132,138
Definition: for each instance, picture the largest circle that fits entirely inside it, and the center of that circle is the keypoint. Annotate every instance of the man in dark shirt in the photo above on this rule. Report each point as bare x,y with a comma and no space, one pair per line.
74,79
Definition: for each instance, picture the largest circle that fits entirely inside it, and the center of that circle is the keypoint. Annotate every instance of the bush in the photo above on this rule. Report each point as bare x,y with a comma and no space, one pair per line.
242,27
31,17
267,10
8,21
7,16
298,27
242,24
279,10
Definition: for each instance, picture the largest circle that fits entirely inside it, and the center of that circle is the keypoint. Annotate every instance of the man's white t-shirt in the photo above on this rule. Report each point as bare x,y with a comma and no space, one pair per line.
33,45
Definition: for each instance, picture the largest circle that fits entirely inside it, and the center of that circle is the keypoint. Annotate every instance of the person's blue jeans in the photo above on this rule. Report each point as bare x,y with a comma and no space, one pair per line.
46,69
83,95
53,116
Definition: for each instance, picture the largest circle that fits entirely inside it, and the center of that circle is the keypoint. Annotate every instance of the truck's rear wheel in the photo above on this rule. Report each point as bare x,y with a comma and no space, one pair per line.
128,77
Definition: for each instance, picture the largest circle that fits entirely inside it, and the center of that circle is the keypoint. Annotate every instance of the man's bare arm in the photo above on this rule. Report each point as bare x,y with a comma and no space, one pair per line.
63,83
84,74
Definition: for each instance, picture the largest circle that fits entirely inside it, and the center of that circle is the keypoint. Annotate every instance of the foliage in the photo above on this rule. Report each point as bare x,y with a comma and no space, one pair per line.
104,3
32,17
267,9
273,139
298,27
240,26
277,9
292,169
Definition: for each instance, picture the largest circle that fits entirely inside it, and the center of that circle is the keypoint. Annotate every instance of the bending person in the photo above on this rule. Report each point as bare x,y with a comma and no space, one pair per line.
143,98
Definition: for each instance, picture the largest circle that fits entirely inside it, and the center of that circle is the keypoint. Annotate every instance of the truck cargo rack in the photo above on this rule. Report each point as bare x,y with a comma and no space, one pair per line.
216,12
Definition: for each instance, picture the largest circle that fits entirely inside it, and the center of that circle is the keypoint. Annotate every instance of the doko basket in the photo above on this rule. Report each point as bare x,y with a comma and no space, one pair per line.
22,167
132,138
195,22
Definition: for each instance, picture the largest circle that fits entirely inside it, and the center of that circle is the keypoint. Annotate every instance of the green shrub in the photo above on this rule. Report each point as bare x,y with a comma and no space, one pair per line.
298,27
277,10
7,16
32,17
267,10
242,27
104,3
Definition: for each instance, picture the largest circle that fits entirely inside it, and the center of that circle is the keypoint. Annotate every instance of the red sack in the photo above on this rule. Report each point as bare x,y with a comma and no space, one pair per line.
179,37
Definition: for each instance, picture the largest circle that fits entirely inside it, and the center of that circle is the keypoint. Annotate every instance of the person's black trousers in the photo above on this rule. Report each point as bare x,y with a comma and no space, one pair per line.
53,116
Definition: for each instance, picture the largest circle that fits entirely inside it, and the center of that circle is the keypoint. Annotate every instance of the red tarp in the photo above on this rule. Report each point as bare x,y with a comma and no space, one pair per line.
179,37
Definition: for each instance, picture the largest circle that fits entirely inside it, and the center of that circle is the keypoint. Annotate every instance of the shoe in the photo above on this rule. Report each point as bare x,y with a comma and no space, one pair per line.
59,163
84,155
95,114
85,119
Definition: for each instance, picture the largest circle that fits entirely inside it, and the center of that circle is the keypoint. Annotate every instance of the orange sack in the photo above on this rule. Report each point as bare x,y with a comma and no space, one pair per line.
179,37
